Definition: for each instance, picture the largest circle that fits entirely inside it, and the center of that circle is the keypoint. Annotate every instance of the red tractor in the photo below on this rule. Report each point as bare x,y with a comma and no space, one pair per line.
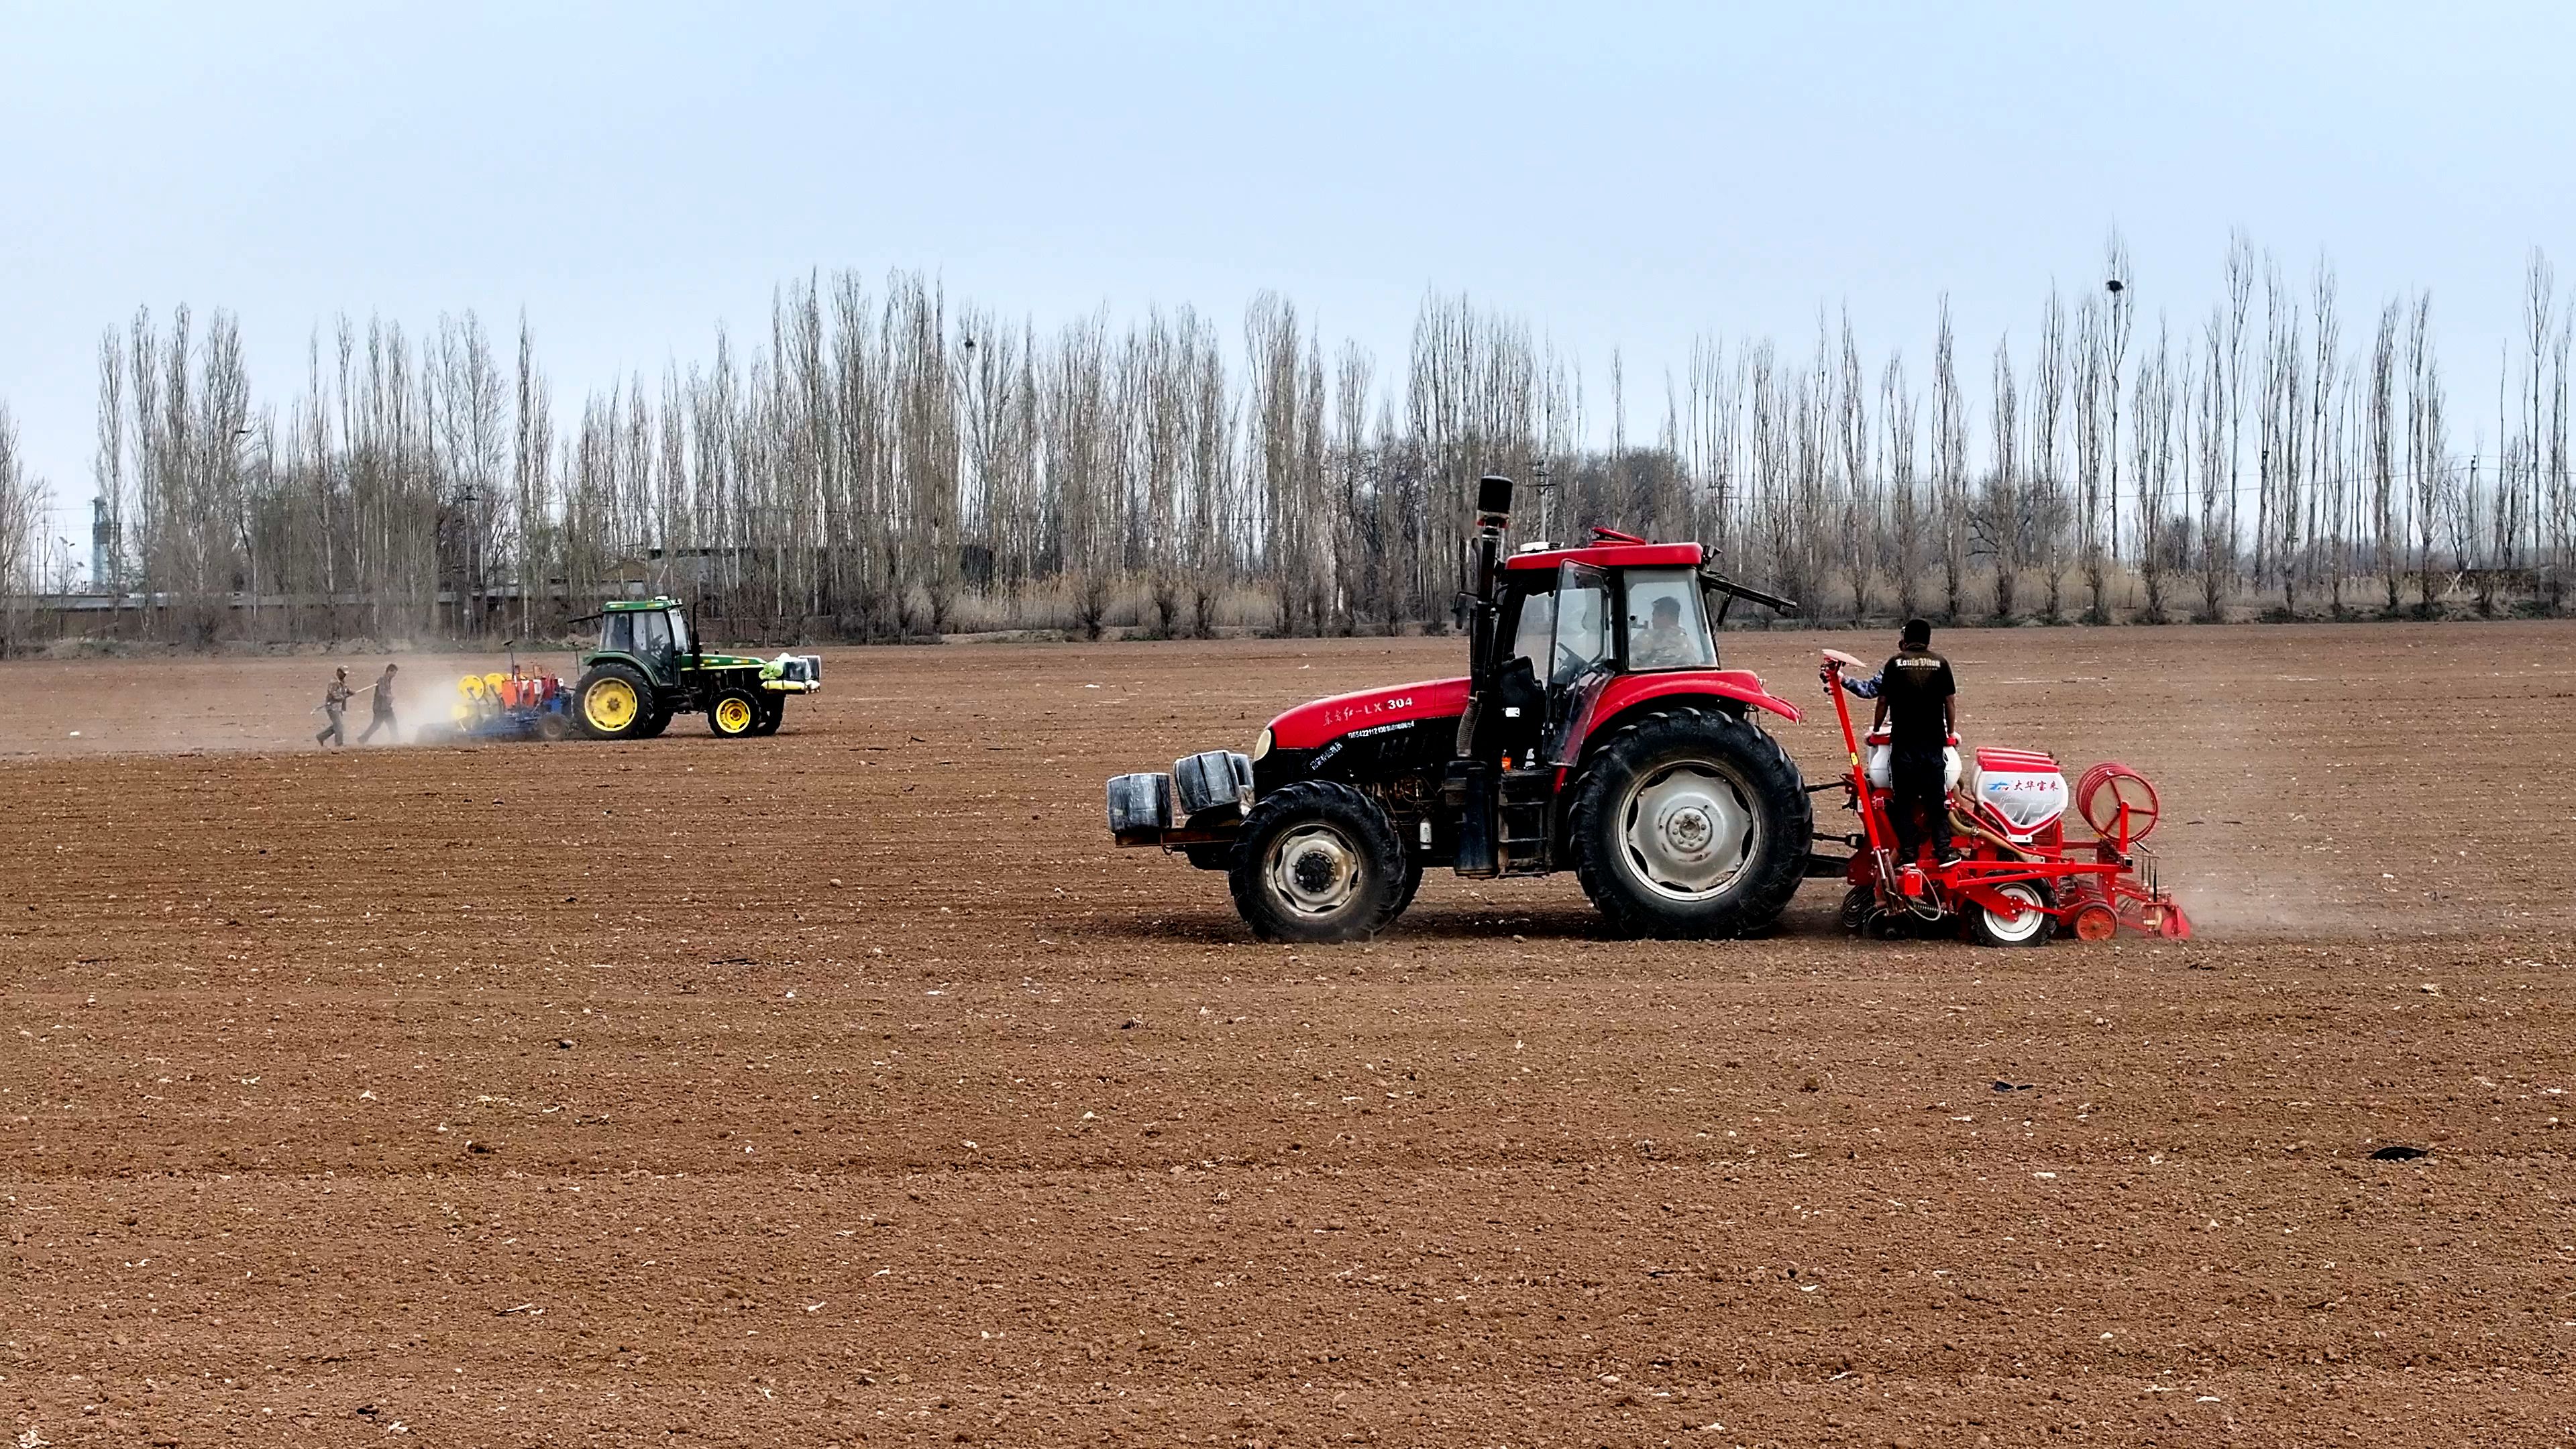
1593,730
2019,874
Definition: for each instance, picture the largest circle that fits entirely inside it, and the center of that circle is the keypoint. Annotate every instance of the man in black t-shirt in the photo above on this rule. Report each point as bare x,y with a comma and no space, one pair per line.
1917,702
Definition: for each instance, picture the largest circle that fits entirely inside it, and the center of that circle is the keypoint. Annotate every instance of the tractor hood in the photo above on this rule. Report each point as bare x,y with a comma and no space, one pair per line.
1326,720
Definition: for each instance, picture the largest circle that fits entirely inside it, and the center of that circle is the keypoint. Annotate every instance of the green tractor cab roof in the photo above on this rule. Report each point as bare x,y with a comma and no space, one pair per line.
618,605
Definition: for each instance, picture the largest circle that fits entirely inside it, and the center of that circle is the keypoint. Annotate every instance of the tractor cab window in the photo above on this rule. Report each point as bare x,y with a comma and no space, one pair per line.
1581,659
679,630
1582,635
653,636
1535,637
1666,627
616,632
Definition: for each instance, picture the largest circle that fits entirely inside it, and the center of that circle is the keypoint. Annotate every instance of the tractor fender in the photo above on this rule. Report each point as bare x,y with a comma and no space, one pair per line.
1728,689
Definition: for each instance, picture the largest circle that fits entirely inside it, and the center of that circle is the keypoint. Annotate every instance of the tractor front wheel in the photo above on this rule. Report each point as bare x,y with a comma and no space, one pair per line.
1691,823
1318,861
613,702
734,715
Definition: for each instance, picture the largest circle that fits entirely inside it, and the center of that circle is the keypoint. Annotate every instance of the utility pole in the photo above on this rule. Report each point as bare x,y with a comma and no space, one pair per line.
2119,290
470,614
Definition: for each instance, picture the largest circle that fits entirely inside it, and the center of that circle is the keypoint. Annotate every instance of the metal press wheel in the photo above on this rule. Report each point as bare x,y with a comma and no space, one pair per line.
2032,927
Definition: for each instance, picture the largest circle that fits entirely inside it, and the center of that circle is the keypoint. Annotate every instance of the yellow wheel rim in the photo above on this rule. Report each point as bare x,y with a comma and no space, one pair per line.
733,716
609,705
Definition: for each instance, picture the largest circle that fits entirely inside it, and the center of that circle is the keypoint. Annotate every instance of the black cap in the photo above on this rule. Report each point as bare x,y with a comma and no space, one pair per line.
1917,634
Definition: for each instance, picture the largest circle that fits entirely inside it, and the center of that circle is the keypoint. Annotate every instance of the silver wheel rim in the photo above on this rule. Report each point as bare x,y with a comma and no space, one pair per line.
1688,830
2022,927
1314,870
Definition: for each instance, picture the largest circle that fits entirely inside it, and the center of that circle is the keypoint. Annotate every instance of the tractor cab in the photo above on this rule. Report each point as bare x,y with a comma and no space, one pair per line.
1580,619
651,633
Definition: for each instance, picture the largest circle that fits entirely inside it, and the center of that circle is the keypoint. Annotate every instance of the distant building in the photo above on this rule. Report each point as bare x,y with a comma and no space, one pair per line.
102,548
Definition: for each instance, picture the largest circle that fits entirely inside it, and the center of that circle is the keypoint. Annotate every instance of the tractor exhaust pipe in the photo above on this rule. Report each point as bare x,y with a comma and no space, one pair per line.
1470,781
1484,569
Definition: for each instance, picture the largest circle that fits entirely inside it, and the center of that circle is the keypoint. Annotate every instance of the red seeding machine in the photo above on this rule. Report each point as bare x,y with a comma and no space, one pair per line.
2019,875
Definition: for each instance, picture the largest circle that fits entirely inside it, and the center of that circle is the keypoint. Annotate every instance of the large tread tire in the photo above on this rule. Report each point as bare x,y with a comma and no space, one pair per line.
596,708
1405,890
1986,929
734,714
654,726
1748,902
773,713
1354,866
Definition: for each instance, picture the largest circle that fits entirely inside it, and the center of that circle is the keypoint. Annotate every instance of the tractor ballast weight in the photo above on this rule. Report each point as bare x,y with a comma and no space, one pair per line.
1594,730
650,666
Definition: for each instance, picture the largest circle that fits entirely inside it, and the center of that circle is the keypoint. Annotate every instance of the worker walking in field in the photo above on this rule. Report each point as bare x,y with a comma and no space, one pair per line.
1917,702
335,701
382,717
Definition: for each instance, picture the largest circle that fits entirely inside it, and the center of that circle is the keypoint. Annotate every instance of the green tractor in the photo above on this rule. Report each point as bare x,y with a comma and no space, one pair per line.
648,667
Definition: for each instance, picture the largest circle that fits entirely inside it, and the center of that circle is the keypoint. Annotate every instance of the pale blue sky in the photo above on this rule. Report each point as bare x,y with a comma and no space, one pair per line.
1617,174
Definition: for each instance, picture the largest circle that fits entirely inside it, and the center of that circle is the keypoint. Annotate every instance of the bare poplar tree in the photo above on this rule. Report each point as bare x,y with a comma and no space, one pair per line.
2092,380
2381,435
2003,519
2152,467
1859,501
2238,284
2105,547
2427,445
2539,314
2046,540
2326,481
23,503
2214,466
1950,467
1899,412
2284,437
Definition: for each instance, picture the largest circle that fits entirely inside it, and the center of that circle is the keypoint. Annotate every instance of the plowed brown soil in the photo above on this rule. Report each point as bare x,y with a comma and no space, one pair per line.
849,1087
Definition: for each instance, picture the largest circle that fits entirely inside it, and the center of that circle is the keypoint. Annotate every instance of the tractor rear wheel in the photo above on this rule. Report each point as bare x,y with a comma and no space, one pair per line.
1318,861
2032,927
734,715
1690,823
613,702
773,712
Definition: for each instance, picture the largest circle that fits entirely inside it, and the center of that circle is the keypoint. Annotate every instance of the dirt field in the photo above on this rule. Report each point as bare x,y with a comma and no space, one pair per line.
848,1087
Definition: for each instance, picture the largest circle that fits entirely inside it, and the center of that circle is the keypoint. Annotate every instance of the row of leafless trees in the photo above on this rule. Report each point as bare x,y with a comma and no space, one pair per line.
23,557
886,463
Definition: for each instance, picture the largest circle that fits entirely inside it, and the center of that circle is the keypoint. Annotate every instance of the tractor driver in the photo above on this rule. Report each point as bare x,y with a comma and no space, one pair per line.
1917,701
1663,645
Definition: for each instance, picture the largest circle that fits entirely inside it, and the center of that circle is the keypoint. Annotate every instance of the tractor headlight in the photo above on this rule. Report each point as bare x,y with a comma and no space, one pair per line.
1261,746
